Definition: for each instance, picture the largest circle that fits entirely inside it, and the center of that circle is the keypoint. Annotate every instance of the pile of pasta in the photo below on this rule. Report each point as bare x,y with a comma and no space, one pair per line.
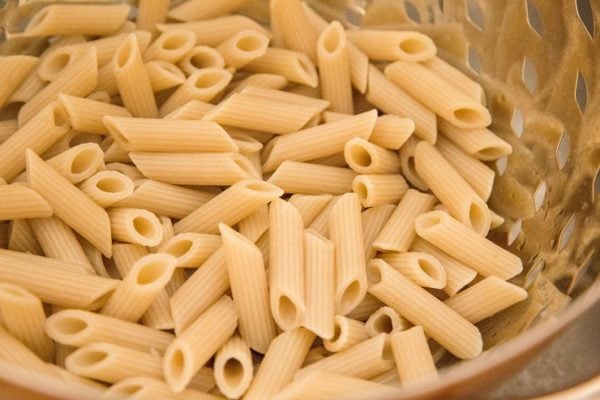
203,207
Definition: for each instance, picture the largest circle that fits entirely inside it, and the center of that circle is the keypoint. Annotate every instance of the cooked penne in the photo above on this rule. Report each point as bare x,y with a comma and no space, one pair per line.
458,275
264,81
80,213
79,162
296,33
263,114
307,178
438,95
71,19
143,387
79,328
134,225
373,221
56,282
309,206
381,45
375,190
188,353
368,158
334,67
421,268
229,207
248,281
58,241
163,75
111,363
203,85
440,322
233,368
171,46
140,287
193,10
399,232
459,80
255,224
150,13
193,109
107,187
478,175
86,115
295,66
212,32
347,333
157,135
17,67
486,298
345,230
480,143
191,249
283,358
385,320
24,318
165,199
319,141
454,192
414,362
19,201
201,57
391,99
243,48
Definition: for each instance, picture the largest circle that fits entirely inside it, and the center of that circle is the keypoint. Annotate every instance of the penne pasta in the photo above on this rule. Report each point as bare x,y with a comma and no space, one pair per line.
287,97
440,322
391,131
193,109
380,45
296,32
150,13
243,48
480,143
133,225
368,158
17,67
21,238
248,282
307,178
294,66
334,68
459,80
201,57
191,249
86,115
345,230
413,358
247,146
192,10
373,221
421,268
19,201
347,333
233,368
126,169
264,81
79,162
163,75
255,224
321,222
375,190
107,187
138,388
170,46
309,206
407,164
386,320
7,128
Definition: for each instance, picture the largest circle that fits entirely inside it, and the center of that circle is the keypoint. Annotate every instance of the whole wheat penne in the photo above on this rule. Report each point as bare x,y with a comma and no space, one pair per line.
373,221
440,322
79,328
21,238
192,10
86,115
233,368
165,199
79,162
17,67
150,13
421,268
386,320
229,207
457,78
56,282
243,47
80,213
107,187
374,190
309,206
319,141
68,19
134,225
391,99
265,81
295,66
171,46
283,358
380,45
347,333
480,143
307,178
334,68
413,358
249,289
191,249
201,57
163,75
19,201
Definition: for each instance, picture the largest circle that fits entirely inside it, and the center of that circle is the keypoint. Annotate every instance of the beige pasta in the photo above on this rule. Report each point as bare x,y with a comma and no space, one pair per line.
399,232
458,275
132,79
107,46
296,32
56,282
41,132
407,164
79,162
21,238
368,158
79,328
107,187
126,169
373,221
201,57
212,32
309,206
193,109
53,63
375,190
386,320
283,358
68,19
286,261
19,201
7,128
203,85
440,322
158,135
496,220
191,249
391,99
106,80
345,230
111,363
140,287
307,178
80,213
163,75
133,225
459,80
454,192
334,68
165,199
192,10
248,282
229,207
15,354
141,387
59,242
247,145
192,348
86,115
171,46
321,221
319,289
421,268
414,362
438,95
94,256
319,141
17,67
287,97
255,224
480,143
243,48
347,333
24,318
294,66
233,368
264,81
150,13
364,360
386,45
486,298
315,354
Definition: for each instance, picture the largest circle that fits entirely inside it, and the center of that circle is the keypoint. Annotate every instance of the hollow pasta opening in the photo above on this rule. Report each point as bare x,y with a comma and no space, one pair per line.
125,52
179,248
413,46
204,59
129,389
383,324
69,325
351,293
58,116
84,161
208,79
151,272
360,156
373,274
470,116
430,269
144,227
54,65
428,221
337,332
233,372
288,312
111,185
176,364
243,163
361,191
90,357
304,64
174,42
479,218
331,41
249,43
491,152
259,186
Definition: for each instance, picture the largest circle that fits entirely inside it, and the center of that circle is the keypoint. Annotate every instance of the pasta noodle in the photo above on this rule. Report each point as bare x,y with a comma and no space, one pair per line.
199,9
373,221
393,45
79,162
421,268
385,320
375,190
191,249
17,67
193,109
265,81
171,46
86,115
21,238
233,368
107,187
460,81
140,388
368,158
150,13
19,201
294,66
7,128
413,358
307,178
296,31
288,97
334,68
309,206
243,47
132,225
247,146
480,143
347,333
407,164
201,57
163,75
255,224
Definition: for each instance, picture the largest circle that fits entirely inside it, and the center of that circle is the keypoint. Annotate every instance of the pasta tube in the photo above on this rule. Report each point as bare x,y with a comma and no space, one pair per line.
307,178
233,368
334,68
381,45
385,320
412,356
19,201
347,333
